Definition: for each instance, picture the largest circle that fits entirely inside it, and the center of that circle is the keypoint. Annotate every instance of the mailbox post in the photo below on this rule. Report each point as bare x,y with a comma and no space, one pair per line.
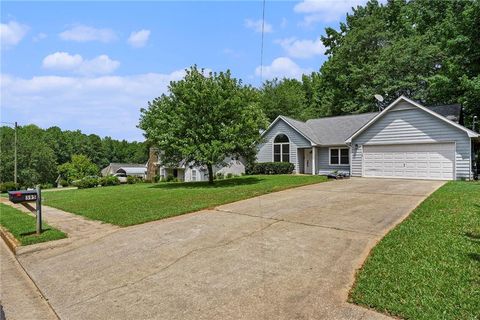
23,197
39,210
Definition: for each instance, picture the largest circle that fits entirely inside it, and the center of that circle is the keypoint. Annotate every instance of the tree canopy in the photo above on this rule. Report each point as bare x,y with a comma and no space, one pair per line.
428,50
204,118
79,167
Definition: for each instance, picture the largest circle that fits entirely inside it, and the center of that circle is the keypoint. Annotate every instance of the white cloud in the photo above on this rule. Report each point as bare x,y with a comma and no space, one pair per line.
83,33
302,48
282,67
284,23
256,25
99,65
62,61
75,63
12,33
104,105
139,39
325,10
39,37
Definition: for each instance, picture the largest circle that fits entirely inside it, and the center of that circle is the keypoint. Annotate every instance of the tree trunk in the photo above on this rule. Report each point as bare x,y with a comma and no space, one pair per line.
210,173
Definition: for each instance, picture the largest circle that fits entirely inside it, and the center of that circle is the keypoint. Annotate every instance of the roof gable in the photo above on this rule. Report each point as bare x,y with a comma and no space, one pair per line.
296,125
402,98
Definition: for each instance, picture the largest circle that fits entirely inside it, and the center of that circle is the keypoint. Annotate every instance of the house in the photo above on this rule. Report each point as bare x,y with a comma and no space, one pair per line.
405,140
188,172
129,169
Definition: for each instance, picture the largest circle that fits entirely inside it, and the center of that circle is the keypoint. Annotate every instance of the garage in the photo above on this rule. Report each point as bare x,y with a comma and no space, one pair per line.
410,161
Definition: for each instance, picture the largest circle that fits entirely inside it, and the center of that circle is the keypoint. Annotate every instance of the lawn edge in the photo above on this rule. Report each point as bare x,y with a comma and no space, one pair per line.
17,244
192,211
368,252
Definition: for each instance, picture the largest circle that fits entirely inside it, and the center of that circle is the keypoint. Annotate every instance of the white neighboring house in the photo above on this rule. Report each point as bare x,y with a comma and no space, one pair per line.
188,172
129,169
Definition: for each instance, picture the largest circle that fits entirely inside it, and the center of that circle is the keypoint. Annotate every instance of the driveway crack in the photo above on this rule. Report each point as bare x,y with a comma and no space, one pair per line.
177,260
300,223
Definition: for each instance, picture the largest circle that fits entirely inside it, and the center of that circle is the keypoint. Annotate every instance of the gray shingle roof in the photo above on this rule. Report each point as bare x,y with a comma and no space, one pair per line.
331,130
335,130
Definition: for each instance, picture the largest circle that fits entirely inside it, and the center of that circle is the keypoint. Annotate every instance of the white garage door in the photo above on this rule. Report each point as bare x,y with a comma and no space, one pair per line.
411,161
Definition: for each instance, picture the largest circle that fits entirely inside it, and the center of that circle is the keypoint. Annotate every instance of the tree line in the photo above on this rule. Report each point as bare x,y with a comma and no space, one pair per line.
41,151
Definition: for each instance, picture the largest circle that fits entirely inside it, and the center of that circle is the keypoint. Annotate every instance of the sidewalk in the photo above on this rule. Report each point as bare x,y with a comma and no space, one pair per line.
79,230
20,298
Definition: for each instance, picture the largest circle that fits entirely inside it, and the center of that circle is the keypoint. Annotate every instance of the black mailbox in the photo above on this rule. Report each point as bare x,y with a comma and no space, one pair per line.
22,196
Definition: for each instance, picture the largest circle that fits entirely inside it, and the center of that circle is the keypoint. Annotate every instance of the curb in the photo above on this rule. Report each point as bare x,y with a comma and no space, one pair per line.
10,240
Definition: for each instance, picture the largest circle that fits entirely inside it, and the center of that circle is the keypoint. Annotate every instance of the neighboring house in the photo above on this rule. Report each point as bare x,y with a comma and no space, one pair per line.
187,171
130,169
405,140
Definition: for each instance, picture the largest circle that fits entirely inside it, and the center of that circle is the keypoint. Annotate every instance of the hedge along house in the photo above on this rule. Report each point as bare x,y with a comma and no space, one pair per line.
405,140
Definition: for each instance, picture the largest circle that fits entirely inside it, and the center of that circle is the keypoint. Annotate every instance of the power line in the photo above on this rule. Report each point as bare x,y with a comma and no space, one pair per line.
261,47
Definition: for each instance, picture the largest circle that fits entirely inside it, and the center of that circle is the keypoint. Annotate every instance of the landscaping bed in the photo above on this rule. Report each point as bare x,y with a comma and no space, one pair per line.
23,226
138,203
428,267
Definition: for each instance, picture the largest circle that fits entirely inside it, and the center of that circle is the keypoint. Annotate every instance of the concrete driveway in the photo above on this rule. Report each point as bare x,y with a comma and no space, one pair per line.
287,255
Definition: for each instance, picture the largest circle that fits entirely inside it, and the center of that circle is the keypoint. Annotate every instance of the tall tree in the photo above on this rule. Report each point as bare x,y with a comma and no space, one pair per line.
204,119
283,97
428,50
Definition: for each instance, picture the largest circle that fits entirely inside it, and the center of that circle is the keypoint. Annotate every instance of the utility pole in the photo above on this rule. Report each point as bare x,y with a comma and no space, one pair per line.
15,161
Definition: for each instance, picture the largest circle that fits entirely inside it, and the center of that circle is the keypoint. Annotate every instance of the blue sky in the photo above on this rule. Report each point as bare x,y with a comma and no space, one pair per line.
93,65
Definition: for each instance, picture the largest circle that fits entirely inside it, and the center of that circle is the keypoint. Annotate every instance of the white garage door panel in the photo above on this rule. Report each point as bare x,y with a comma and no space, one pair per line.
421,161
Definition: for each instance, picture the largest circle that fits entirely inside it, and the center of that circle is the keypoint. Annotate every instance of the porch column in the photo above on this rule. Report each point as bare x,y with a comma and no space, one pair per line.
314,157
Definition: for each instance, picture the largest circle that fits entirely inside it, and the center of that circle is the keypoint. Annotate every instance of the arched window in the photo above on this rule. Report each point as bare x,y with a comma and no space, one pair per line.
281,148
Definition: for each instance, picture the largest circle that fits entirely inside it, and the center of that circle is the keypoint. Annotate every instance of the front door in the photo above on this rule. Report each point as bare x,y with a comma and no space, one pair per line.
307,164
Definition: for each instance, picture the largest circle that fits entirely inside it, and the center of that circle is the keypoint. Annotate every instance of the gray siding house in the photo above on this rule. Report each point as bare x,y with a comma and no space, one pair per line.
405,140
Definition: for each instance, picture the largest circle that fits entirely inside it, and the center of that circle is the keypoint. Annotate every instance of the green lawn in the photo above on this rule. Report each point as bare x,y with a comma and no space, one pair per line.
23,226
127,205
428,267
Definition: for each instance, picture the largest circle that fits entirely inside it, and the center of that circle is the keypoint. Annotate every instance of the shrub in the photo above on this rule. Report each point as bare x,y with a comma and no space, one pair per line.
47,186
8,186
229,175
132,179
87,182
171,178
219,176
271,168
109,181
63,182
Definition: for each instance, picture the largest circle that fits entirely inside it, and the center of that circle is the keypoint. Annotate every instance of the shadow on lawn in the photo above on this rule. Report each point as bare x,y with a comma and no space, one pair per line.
474,256
33,233
204,184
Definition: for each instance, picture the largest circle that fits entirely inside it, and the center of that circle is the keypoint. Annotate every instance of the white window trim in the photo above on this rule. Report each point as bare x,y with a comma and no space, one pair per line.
281,151
339,157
